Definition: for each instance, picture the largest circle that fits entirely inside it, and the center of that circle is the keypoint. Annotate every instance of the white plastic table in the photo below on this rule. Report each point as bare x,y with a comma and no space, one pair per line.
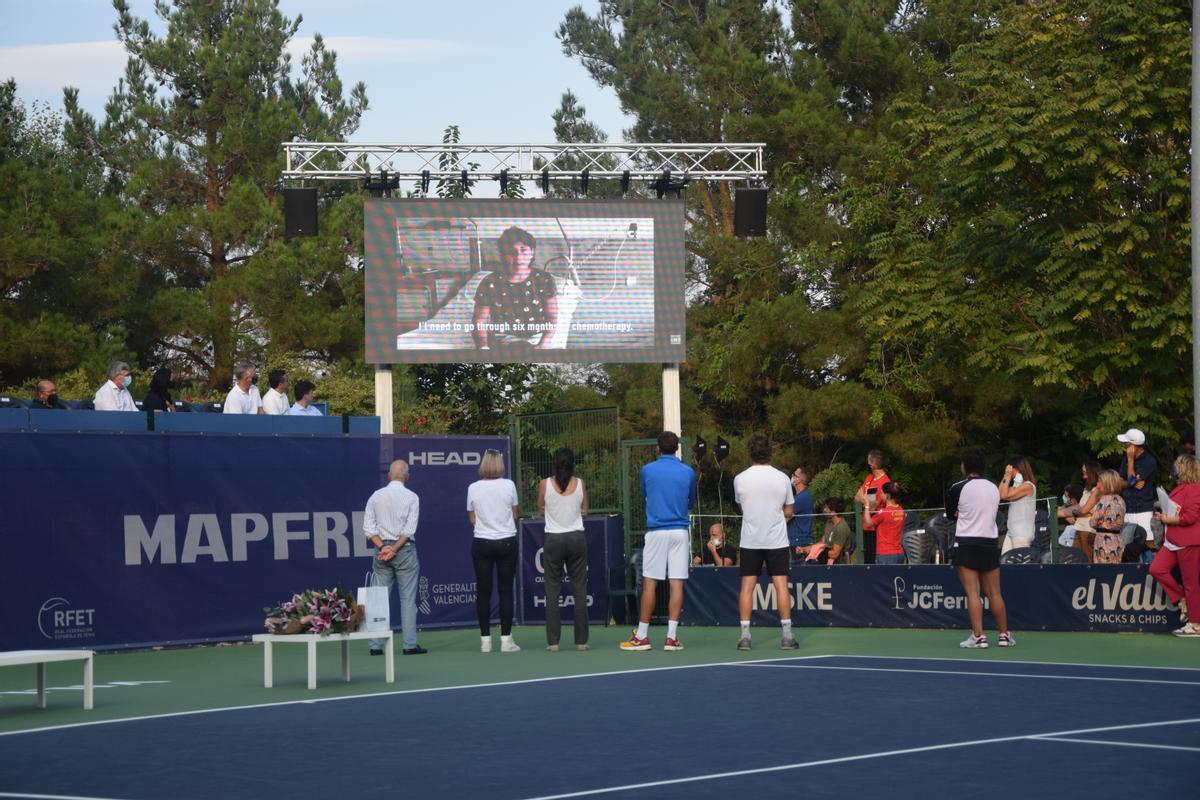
14,658
311,639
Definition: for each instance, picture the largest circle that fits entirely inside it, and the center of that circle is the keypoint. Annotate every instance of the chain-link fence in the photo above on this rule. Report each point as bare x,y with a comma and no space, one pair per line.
594,436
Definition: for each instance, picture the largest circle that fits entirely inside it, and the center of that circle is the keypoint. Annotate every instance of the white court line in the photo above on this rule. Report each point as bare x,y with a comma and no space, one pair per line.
54,796
973,673
1119,744
863,757
428,690
1019,661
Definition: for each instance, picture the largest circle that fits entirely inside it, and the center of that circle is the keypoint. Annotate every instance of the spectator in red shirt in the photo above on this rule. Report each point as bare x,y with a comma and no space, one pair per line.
868,495
888,524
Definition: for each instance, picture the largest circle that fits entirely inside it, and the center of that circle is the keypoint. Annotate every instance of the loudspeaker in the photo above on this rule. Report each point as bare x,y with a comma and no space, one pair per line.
750,212
299,212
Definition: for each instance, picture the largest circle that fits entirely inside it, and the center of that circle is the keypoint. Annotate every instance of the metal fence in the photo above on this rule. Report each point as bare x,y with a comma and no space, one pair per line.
594,434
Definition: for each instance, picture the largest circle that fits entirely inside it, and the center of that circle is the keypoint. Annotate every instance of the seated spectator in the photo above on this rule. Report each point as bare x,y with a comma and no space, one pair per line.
1108,517
275,400
888,524
834,546
1082,511
303,406
114,394
158,398
717,552
1072,493
244,398
46,397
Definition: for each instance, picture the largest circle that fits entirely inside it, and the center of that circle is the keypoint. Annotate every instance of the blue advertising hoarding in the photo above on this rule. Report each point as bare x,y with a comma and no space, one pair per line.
1053,597
135,539
605,537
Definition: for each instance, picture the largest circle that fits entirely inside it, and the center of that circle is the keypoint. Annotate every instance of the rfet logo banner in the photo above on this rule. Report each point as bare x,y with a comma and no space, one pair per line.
122,540
1066,597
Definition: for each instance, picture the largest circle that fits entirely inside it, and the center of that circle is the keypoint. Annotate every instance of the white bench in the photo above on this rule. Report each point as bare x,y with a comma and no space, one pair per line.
14,658
311,639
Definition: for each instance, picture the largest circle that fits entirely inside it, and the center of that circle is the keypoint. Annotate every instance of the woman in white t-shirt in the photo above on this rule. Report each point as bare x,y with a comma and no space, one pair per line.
493,508
563,502
1019,490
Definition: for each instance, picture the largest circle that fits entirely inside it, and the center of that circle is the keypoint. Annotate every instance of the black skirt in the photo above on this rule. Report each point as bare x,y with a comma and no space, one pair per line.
983,556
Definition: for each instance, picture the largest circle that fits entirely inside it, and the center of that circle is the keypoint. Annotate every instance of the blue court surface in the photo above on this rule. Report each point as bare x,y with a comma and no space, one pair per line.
821,726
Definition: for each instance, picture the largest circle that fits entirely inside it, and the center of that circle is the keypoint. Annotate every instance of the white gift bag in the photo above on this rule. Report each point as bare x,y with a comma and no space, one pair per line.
376,606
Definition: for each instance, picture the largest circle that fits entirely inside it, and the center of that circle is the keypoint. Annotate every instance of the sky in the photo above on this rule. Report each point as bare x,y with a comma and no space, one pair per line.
492,67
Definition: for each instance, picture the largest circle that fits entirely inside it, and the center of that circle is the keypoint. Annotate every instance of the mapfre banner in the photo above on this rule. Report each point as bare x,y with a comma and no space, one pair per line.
1062,597
126,540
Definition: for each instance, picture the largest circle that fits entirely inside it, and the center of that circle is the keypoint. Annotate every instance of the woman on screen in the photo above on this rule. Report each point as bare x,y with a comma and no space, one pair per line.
492,509
517,303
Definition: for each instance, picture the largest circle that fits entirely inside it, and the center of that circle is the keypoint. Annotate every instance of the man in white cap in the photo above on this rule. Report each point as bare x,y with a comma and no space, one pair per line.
1138,471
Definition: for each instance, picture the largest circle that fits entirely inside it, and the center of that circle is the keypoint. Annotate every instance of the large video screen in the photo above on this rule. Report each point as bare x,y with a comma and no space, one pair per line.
500,281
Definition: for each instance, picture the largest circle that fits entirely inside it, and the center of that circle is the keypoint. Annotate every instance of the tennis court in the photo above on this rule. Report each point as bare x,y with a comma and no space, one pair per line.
607,724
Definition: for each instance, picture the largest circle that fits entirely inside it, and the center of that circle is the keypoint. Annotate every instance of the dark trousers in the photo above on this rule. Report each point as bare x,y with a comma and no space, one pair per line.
568,549
500,555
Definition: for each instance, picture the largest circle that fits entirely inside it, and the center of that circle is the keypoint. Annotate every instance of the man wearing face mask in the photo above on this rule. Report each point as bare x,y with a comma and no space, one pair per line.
717,551
244,397
114,394
47,397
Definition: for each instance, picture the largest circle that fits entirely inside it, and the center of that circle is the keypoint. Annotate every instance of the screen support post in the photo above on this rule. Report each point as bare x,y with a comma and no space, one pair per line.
672,416
383,397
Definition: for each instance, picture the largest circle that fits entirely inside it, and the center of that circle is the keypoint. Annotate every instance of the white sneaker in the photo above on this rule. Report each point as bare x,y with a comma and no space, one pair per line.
1189,630
974,642
507,645
485,644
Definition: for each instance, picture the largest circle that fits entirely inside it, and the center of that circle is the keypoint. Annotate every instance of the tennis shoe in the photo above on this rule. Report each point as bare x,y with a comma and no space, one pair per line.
789,643
974,642
743,643
1006,640
672,644
635,643
1189,631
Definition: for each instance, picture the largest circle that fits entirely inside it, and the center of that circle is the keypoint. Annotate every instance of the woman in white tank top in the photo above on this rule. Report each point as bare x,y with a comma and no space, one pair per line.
1019,490
563,502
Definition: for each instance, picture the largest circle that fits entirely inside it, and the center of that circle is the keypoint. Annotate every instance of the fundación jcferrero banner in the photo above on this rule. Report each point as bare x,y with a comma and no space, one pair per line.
1051,597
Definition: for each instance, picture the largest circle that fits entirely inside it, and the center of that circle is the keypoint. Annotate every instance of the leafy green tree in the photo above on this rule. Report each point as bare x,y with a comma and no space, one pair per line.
191,142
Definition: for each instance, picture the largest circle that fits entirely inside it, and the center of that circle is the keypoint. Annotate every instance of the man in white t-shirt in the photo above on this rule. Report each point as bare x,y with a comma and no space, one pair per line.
765,495
244,398
275,401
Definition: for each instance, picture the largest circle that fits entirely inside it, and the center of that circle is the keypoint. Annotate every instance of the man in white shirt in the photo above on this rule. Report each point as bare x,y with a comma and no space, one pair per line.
243,398
303,406
114,394
765,495
275,401
390,522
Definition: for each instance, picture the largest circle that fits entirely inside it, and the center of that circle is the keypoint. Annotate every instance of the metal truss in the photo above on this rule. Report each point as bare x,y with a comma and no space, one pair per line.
337,161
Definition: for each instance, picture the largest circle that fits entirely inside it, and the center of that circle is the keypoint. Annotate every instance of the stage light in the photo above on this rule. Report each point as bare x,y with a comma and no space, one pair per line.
722,450
466,184
545,180
583,181
503,182
424,181
625,183
699,448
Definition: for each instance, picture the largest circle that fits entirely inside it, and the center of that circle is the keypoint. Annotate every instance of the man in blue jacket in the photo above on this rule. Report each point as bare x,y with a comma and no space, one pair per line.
669,487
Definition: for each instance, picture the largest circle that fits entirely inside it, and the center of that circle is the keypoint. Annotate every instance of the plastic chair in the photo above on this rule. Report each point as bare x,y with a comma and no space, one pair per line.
7,401
1041,529
918,546
1066,555
1020,555
941,529
628,596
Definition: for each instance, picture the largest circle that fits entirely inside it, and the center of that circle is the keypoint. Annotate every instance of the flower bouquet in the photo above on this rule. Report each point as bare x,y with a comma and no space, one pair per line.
322,611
